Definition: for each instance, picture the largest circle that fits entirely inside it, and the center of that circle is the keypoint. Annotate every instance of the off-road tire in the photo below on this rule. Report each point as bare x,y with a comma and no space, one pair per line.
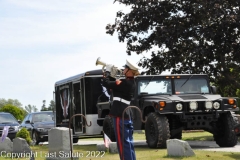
157,130
225,137
108,128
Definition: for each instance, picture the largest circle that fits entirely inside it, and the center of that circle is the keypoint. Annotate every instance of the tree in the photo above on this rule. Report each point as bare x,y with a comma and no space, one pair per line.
13,102
44,106
17,112
30,108
185,36
51,105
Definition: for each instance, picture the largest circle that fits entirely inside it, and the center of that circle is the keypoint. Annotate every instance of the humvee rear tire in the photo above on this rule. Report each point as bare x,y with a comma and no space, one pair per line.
225,137
108,128
157,130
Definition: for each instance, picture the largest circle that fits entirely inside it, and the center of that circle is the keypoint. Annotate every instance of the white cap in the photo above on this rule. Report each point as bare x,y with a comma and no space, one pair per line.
131,65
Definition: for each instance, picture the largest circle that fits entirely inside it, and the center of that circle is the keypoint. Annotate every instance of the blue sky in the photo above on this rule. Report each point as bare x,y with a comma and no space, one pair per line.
43,41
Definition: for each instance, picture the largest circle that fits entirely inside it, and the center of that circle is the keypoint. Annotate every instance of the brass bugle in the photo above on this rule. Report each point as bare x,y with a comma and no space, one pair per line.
98,62
114,69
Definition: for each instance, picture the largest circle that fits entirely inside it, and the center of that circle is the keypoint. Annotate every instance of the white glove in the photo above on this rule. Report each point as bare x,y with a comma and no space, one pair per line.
109,68
114,72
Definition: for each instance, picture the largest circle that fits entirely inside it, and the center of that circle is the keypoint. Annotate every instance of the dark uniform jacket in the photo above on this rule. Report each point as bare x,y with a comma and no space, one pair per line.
122,89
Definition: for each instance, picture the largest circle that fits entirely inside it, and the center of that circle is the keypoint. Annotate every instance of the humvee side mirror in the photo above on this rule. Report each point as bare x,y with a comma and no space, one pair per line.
214,89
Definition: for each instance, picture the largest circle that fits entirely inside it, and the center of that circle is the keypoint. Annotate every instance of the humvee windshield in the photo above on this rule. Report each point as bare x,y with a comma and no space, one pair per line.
160,86
181,86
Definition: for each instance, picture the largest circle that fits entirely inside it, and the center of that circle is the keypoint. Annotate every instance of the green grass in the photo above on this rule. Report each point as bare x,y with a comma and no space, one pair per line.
185,136
197,136
142,152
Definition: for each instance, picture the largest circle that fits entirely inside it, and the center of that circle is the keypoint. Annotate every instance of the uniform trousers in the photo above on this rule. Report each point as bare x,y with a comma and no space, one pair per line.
125,147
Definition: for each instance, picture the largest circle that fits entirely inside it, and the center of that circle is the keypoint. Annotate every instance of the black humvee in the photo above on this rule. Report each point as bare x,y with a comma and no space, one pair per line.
173,103
237,129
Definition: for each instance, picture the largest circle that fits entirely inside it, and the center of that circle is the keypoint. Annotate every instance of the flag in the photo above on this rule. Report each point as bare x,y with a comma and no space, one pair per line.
106,140
5,132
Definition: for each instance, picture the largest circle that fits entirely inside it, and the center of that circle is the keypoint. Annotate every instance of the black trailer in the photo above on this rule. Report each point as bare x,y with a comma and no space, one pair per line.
79,94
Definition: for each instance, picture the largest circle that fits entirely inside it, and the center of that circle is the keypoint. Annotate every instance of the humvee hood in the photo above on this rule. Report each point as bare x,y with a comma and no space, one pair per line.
185,98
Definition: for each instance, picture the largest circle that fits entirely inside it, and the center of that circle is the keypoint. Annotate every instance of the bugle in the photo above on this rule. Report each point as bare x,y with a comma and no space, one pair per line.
114,70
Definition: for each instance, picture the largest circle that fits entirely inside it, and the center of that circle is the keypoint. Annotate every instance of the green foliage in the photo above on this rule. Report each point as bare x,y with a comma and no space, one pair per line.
238,93
50,107
13,102
31,108
23,133
238,100
44,108
17,112
192,37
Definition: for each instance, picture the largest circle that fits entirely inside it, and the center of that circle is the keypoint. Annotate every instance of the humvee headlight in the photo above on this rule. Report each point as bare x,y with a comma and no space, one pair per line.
216,105
193,106
162,104
179,107
208,105
231,101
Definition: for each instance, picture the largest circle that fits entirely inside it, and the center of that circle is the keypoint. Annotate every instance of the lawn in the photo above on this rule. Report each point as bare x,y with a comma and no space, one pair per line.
187,135
89,152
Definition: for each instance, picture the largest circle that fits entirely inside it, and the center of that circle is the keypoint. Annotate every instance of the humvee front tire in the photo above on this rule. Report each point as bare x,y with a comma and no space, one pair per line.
225,137
108,128
157,130
75,140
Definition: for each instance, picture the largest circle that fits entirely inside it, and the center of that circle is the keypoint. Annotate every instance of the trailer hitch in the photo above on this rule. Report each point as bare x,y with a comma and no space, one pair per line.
69,126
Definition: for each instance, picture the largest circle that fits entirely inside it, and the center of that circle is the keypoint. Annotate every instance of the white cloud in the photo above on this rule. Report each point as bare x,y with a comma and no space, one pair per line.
44,41
77,24
56,5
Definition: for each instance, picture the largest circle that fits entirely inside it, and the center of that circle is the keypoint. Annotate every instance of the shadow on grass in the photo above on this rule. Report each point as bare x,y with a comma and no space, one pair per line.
173,157
91,147
234,155
198,138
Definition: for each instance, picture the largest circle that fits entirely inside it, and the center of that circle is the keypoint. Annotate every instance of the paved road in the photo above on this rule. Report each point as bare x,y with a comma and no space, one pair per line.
212,146
196,145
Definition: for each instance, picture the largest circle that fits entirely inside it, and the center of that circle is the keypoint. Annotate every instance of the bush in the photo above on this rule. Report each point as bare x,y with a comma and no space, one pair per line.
17,112
23,133
238,100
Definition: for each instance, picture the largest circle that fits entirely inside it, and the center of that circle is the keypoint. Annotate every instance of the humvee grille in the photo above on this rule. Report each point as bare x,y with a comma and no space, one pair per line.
192,97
